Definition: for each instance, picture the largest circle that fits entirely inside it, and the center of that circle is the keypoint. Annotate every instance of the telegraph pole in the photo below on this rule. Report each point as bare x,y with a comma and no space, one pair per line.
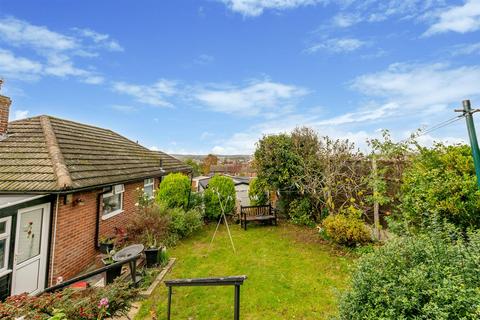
472,134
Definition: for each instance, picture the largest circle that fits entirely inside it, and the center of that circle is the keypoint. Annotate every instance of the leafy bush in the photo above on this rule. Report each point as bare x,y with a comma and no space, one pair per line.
347,229
174,190
225,188
193,221
440,184
300,212
196,201
258,192
93,303
148,222
429,276
184,223
276,161
158,224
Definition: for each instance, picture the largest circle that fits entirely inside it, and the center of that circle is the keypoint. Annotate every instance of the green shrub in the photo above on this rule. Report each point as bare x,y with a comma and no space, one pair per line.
196,201
258,192
158,224
225,188
276,161
300,211
193,221
184,223
440,184
348,230
174,191
428,276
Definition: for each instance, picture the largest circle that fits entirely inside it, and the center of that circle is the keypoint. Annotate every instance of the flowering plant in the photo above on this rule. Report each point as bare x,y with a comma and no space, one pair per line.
103,308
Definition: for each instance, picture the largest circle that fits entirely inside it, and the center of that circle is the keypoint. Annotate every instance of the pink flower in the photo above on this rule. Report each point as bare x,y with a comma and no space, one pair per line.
103,303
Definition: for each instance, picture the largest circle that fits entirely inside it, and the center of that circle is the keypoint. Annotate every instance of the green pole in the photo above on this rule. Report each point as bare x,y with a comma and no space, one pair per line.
472,134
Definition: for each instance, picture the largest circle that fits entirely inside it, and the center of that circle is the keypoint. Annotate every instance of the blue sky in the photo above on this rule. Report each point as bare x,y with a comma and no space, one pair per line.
215,75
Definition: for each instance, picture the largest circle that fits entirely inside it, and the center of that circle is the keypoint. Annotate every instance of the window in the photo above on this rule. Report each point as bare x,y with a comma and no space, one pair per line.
148,187
112,202
4,243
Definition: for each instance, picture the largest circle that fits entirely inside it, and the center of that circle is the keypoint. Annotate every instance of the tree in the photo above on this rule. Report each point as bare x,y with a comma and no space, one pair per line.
439,185
258,192
276,161
196,168
220,189
328,174
208,161
174,191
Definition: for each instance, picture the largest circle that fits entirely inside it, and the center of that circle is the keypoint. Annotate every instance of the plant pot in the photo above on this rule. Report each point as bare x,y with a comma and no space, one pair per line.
151,256
112,274
106,247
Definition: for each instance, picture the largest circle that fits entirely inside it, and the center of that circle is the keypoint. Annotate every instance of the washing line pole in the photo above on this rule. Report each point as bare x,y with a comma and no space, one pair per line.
472,134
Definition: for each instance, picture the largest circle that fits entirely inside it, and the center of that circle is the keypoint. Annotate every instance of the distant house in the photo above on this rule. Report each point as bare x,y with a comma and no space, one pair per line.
63,185
233,169
199,184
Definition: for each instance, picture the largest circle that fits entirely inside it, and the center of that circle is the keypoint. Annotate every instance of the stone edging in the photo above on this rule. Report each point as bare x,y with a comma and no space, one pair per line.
158,279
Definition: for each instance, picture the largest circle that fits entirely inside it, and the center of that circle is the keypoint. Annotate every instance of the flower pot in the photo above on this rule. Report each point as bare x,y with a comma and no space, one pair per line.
151,256
106,247
112,273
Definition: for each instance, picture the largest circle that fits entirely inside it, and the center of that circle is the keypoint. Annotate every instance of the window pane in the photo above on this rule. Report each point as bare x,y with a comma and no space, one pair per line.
148,181
3,243
112,203
148,190
3,227
30,235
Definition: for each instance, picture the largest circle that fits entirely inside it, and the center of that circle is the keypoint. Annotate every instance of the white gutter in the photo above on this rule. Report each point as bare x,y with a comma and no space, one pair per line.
53,242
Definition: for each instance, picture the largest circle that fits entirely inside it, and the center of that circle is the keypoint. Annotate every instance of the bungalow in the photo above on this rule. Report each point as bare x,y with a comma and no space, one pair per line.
63,185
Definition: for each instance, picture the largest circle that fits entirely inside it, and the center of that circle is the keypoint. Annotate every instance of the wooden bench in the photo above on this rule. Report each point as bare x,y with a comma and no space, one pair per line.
257,213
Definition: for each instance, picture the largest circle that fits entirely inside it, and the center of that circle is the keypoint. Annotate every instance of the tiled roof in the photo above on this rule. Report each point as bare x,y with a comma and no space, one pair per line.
44,153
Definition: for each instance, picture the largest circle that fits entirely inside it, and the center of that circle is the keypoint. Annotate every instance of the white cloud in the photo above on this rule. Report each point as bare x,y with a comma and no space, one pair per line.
20,114
52,53
155,94
21,33
254,98
461,19
124,108
94,79
337,45
206,135
402,98
466,49
256,7
360,116
419,86
15,67
204,59
101,39
345,20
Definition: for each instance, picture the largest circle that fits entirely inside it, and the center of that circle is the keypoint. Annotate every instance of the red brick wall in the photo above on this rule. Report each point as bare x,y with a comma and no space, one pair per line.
74,249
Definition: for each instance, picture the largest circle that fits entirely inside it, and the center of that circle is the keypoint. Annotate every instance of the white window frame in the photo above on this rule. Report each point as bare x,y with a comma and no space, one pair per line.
152,183
6,235
116,189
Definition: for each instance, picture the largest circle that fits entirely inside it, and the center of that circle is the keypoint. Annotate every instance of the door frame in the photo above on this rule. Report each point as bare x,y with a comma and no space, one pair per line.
44,242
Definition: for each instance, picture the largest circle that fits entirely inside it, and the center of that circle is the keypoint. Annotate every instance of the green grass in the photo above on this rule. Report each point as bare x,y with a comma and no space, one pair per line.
291,274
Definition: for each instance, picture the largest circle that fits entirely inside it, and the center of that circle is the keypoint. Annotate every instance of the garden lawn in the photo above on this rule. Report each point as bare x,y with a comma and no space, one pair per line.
291,274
